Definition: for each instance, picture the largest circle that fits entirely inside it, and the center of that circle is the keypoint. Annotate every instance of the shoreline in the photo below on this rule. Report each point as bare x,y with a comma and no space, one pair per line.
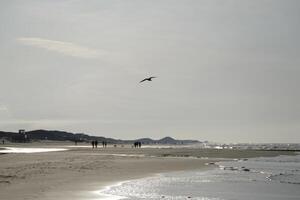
239,183
94,190
78,172
101,192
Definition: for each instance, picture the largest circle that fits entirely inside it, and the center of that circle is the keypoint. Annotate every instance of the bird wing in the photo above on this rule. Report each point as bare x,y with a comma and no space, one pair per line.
153,77
143,80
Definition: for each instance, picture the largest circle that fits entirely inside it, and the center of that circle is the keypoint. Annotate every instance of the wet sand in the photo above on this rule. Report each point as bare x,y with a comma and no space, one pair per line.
76,173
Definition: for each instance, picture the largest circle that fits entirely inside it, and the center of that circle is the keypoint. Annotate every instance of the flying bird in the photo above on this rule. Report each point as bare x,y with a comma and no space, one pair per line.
148,79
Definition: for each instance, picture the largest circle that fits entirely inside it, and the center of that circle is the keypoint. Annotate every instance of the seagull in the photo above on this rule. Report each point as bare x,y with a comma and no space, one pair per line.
148,79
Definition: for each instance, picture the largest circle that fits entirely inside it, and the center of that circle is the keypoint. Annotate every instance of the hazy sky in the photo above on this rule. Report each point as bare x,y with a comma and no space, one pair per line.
228,70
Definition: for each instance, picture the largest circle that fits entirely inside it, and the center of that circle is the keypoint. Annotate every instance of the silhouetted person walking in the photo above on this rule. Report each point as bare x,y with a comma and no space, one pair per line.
93,143
104,144
96,144
137,145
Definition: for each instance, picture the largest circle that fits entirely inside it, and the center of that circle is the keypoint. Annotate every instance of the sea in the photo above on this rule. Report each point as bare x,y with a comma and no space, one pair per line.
263,178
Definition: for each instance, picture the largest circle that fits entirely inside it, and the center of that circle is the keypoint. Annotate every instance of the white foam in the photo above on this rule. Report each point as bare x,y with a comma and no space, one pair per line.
29,150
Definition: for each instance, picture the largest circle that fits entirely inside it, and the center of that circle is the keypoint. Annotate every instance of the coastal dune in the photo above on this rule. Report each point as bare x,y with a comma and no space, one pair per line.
77,172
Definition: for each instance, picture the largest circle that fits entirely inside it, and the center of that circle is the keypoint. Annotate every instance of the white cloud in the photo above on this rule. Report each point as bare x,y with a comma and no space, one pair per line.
66,48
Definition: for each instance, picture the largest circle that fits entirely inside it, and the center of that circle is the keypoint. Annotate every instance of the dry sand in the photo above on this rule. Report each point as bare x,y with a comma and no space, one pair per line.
75,173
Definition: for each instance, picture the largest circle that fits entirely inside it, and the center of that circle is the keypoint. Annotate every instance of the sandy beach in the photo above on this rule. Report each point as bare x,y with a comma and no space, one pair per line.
77,172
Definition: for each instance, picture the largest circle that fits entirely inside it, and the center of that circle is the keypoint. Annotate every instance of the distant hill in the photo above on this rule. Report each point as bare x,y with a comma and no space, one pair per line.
54,135
166,140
